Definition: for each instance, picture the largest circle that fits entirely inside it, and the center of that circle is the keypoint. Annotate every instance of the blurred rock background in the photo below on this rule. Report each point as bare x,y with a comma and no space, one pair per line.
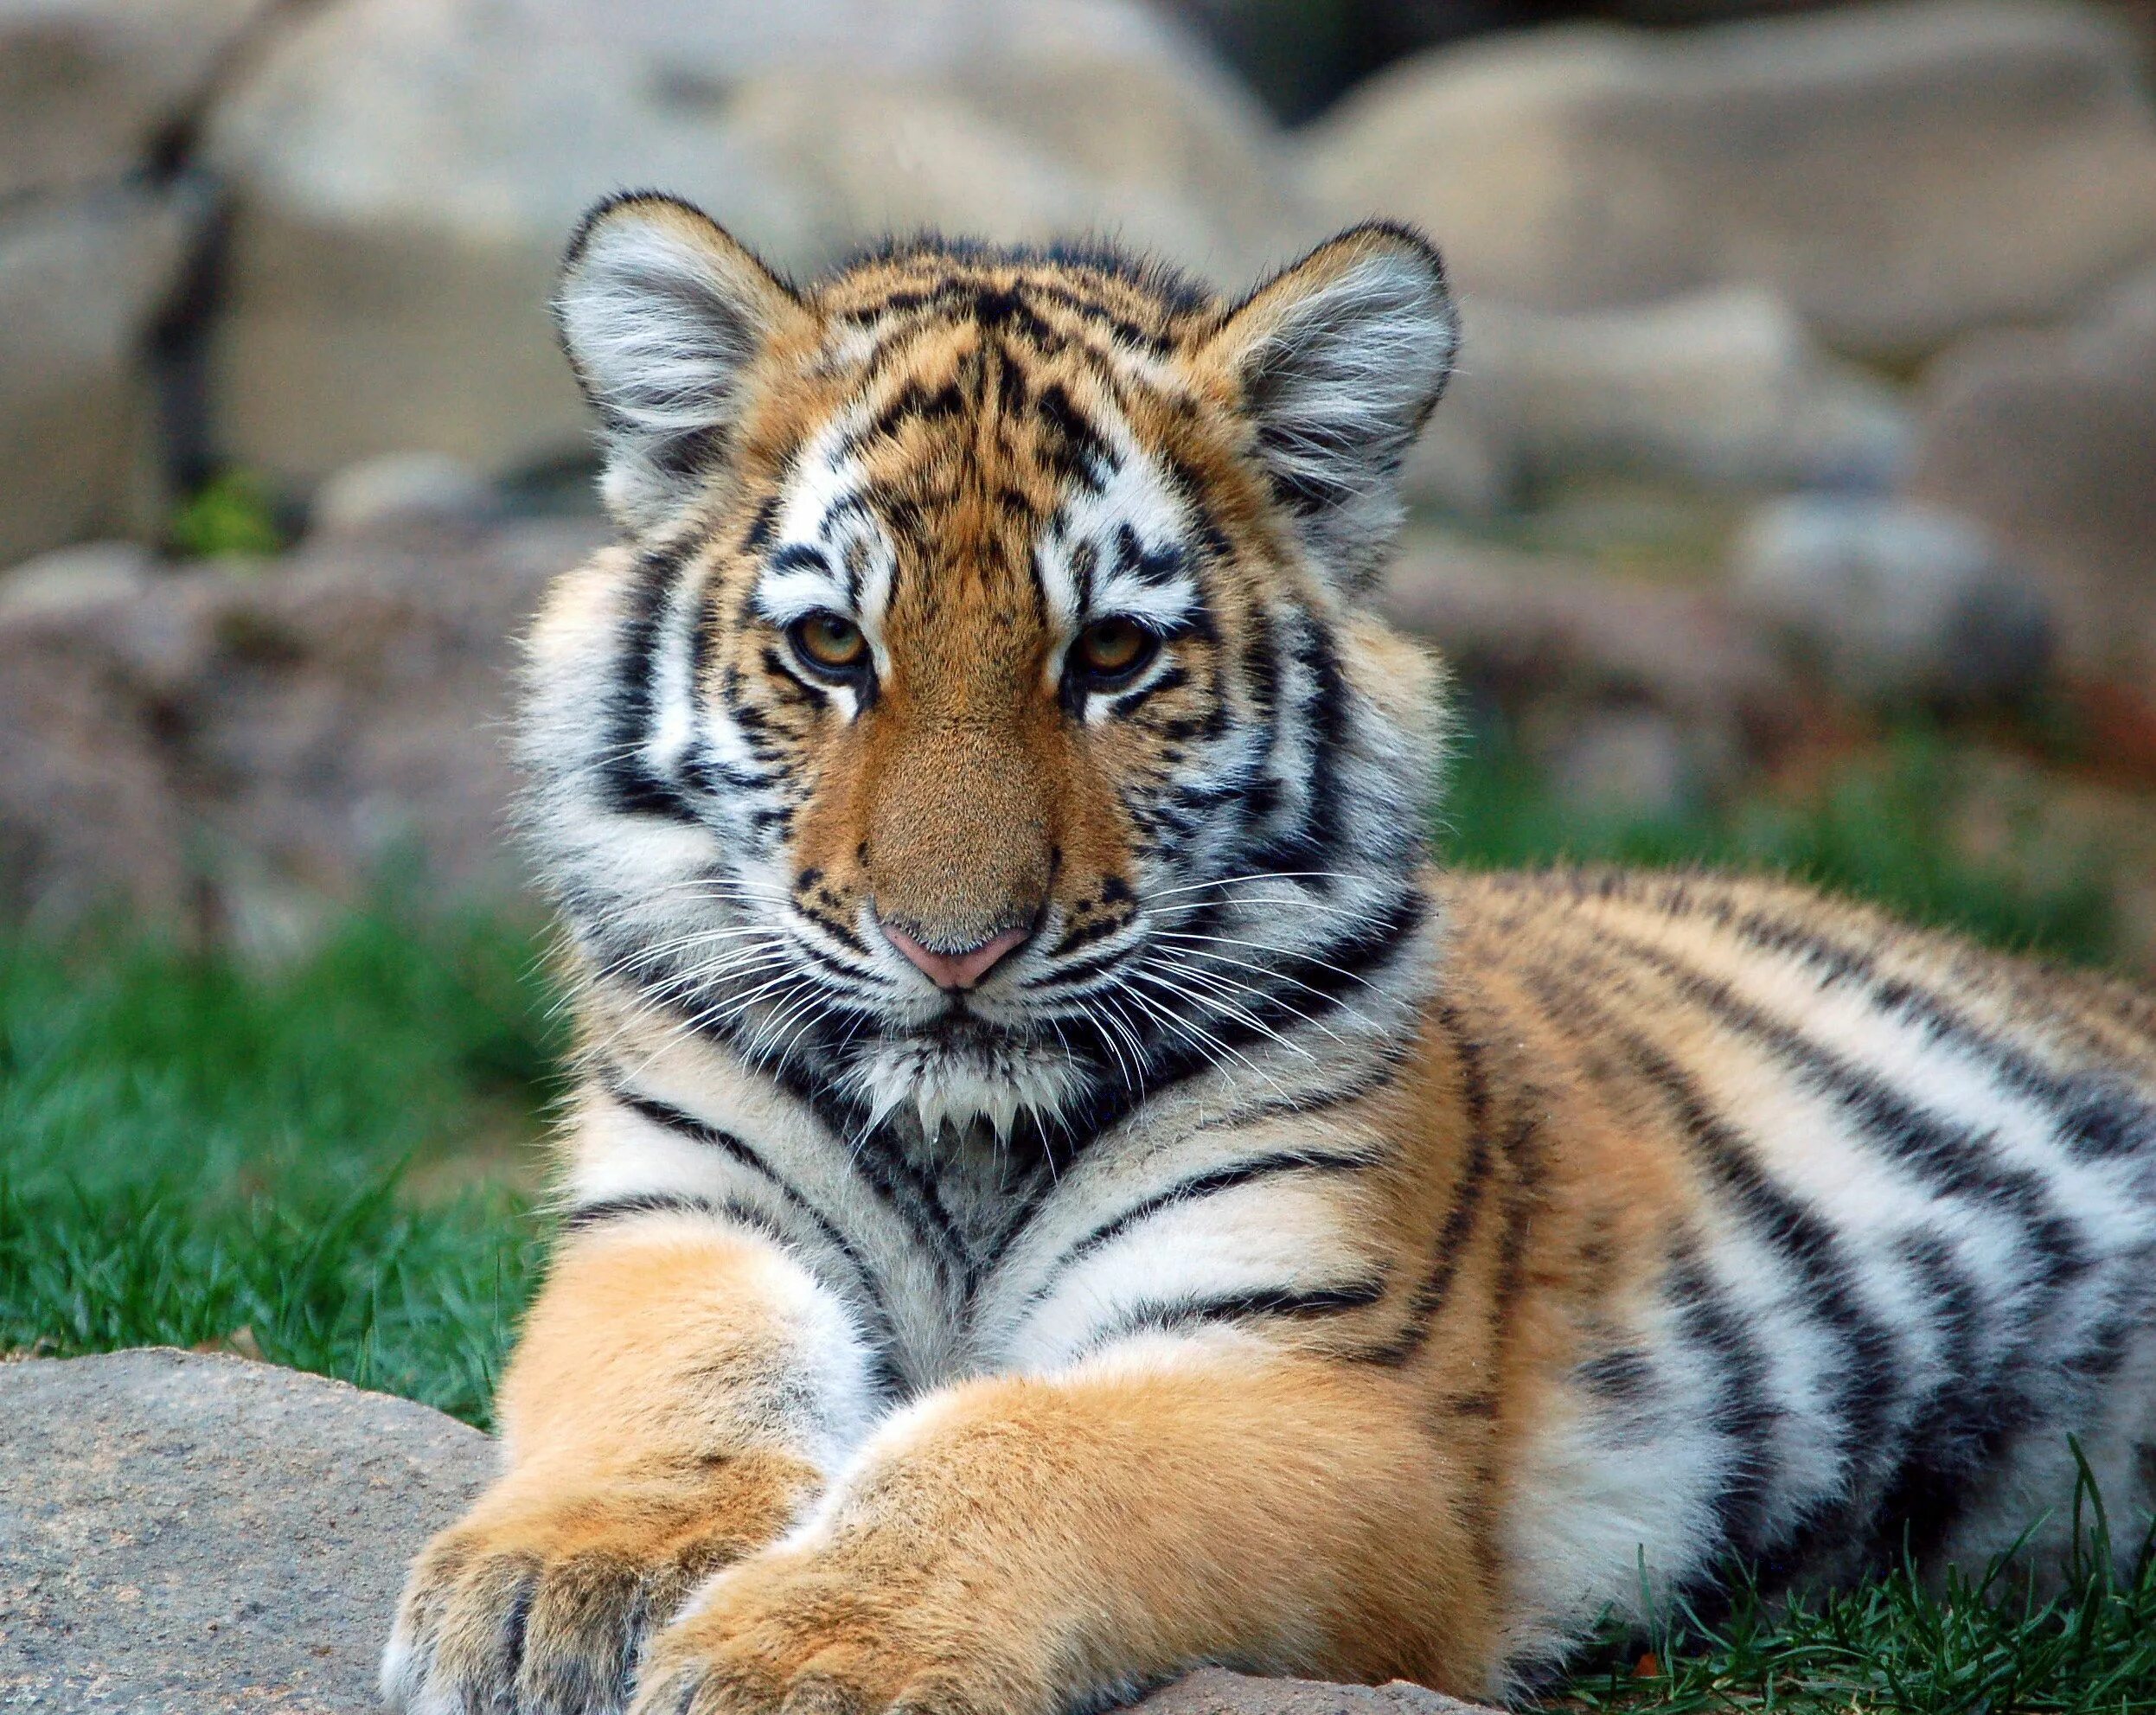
1809,389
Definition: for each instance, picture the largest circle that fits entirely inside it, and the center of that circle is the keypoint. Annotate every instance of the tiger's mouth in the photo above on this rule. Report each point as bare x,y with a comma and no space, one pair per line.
959,1069
958,1028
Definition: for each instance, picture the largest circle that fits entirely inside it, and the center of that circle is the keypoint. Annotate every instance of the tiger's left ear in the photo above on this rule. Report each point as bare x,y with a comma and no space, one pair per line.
1338,361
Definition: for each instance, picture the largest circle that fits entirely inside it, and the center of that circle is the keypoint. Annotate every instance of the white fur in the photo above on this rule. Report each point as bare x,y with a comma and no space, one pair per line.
656,374
1343,380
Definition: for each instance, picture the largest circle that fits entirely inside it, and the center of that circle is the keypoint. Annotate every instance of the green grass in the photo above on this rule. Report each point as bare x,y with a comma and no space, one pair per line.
230,514
190,1145
1967,1645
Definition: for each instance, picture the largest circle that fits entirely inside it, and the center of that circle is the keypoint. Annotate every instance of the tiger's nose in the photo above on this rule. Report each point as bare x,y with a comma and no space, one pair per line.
961,969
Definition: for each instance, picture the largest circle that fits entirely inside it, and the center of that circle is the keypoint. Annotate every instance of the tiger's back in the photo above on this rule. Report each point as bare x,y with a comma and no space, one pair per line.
1059,1190
1843,1228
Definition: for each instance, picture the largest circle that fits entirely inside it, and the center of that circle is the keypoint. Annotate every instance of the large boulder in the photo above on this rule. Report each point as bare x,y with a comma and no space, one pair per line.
240,743
198,1535
2050,439
183,1534
1892,603
405,173
1180,164
1900,174
82,279
1626,686
90,89
1725,390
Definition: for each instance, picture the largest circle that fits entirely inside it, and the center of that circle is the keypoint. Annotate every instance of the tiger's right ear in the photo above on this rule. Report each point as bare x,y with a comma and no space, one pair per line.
663,312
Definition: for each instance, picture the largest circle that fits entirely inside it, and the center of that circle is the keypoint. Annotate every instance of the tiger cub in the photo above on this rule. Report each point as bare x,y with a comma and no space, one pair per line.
1061,1191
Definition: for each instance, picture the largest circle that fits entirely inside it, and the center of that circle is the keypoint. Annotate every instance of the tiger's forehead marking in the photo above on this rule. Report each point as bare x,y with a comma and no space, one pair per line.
1049,302
986,450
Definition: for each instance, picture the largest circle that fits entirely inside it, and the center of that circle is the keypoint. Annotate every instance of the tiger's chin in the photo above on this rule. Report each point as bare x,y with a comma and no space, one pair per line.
956,1079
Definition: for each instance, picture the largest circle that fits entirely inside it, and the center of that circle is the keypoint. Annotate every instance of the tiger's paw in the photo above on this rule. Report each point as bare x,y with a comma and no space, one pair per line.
816,1632
541,1602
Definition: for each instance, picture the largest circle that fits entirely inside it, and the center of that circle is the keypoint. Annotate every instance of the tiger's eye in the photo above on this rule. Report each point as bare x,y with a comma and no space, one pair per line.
1112,648
830,640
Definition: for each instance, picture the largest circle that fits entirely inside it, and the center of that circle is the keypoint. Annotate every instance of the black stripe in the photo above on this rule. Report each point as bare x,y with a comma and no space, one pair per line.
761,525
911,1195
2099,1116
1313,845
1131,701
1263,1300
584,1216
1457,1229
1967,1421
1743,1415
1804,1239
1523,1198
1120,326
1300,988
632,788
801,557
1624,1375
1806,1242
883,1379
1261,672
1187,1190
910,402
1000,307
1076,451
700,770
1953,1161
1367,1082
682,1124
1920,1485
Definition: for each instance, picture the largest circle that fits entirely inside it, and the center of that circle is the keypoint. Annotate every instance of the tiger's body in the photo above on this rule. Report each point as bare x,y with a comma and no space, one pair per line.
1060,1192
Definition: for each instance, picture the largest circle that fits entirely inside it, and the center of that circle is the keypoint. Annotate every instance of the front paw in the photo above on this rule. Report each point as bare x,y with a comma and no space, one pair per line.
814,1632
540,1602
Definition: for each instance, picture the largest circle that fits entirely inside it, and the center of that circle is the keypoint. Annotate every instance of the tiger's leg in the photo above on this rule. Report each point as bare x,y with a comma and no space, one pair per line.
1023,1546
680,1392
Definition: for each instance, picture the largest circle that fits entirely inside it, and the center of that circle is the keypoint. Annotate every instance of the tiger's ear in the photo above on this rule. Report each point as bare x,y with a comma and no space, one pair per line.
663,312
1338,361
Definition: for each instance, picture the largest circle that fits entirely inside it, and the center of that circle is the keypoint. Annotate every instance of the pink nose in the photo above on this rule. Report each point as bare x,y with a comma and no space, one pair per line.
955,971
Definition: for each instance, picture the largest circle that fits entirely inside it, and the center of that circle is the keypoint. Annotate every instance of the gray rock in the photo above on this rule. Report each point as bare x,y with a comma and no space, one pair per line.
1721,391
235,744
402,490
89,87
2049,441
1212,1690
1561,646
1893,601
1180,164
405,173
1900,174
69,578
184,1534
81,280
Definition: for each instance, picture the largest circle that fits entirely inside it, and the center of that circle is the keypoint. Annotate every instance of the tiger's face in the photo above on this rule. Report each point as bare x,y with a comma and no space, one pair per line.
983,728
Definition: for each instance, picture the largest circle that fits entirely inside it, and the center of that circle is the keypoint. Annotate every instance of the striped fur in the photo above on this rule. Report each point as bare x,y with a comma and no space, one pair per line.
1289,1257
